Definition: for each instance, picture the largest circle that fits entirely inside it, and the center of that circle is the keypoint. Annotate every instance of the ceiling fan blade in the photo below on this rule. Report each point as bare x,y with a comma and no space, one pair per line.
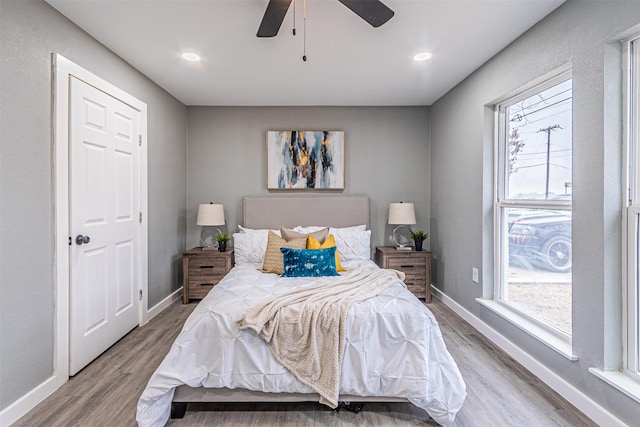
374,12
273,17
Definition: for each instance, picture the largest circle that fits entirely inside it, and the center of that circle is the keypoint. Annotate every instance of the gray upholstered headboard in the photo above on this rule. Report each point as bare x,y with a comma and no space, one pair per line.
289,211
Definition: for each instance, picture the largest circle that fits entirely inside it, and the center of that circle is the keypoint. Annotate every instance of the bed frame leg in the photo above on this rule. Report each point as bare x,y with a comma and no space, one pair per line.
349,406
178,409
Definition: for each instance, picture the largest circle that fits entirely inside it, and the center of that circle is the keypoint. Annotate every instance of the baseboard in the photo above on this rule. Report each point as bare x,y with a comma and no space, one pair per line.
158,308
20,407
577,398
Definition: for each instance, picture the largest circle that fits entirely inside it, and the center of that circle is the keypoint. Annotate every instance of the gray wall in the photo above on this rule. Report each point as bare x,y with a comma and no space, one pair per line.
29,32
393,154
579,32
386,148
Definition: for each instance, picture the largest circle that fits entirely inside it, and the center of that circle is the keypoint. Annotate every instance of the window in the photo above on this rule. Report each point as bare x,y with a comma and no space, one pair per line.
627,379
632,212
533,205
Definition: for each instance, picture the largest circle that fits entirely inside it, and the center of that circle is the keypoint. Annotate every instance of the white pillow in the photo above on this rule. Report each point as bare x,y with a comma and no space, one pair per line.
352,243
313,228
362,227
249,245
264,231
309,229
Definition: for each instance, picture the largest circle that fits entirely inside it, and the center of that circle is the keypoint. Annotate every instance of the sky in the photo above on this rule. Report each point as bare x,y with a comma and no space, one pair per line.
539,119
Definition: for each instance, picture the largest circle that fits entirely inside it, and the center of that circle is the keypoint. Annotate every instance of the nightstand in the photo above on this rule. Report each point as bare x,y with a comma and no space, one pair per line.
202,270
416,265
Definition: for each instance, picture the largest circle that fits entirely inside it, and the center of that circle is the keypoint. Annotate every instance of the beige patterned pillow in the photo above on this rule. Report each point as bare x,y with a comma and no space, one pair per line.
273,262
289,235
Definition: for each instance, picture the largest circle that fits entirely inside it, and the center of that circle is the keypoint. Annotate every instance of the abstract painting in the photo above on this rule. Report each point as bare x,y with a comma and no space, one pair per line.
298,160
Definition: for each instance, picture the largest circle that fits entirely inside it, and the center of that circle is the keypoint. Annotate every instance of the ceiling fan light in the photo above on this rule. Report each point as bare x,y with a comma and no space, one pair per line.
190,56
422,56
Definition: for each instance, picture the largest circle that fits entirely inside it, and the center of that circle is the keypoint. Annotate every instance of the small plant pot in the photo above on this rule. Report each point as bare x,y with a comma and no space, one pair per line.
418,245
222,246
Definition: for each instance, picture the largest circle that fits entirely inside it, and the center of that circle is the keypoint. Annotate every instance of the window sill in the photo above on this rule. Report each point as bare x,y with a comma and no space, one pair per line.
621,381
537,331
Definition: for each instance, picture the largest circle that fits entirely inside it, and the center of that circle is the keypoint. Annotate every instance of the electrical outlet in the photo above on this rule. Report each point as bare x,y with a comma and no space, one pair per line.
474,274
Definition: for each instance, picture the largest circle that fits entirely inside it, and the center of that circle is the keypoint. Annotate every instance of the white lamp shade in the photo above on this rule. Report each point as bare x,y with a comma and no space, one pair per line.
402,213
210,214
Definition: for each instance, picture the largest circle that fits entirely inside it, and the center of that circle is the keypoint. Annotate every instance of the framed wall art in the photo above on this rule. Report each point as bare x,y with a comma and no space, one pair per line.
298,160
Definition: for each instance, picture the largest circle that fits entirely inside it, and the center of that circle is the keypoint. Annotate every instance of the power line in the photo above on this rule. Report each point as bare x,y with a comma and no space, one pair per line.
542,152
543,100
551,115
519,117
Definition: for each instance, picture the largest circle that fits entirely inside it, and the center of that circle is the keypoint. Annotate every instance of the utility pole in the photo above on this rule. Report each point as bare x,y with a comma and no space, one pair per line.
548,131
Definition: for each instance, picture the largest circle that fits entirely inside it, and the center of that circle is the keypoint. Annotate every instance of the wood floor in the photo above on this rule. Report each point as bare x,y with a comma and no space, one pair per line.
499,391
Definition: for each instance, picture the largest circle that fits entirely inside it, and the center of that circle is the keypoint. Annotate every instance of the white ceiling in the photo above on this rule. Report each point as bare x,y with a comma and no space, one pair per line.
348,61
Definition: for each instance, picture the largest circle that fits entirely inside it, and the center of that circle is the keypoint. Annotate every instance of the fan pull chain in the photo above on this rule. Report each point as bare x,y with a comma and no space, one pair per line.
294,17
304,43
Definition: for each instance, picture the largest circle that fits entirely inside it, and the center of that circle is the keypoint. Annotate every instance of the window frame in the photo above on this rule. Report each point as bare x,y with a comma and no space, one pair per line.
631,209
548,334
626,378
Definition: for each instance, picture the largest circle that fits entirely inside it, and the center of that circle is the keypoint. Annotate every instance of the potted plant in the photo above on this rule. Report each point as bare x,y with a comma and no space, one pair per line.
222,239
419,237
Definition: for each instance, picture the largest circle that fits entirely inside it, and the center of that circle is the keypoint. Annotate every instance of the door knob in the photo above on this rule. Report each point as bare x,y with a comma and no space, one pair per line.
80,239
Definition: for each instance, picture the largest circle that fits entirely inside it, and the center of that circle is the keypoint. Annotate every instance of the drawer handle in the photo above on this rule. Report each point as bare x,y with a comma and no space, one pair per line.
407,266
206,284
206,266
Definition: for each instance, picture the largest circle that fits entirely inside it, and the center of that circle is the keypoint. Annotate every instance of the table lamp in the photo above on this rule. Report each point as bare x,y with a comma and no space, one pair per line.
210,215
401,214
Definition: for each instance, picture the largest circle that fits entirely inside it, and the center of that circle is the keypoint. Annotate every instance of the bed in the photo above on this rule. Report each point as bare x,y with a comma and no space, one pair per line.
392,348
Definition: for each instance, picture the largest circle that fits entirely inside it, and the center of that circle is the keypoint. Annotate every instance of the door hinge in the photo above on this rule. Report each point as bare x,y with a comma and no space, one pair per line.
69,240
139,140
140,295
140,218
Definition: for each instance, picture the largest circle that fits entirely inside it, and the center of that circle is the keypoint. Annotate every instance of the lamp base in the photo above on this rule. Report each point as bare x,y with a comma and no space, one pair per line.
208,237
400,239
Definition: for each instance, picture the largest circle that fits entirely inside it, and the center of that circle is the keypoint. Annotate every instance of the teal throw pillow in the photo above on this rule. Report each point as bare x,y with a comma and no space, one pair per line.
309,262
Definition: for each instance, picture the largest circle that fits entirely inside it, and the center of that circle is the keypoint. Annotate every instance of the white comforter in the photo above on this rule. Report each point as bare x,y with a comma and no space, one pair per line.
393,348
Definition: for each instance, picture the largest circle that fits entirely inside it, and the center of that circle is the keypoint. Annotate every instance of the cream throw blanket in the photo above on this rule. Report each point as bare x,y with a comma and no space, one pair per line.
305,328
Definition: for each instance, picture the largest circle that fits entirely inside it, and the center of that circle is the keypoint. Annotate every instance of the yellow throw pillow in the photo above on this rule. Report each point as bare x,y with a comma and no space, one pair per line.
329,242
273,262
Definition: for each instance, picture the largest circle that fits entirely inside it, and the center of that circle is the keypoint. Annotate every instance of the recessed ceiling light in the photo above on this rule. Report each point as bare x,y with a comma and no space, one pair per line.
189,56
422,56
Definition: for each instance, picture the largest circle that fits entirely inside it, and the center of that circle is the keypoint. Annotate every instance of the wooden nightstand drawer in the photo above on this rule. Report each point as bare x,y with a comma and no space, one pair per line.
199,289
207,266
196,282
202,271
406,264
416,266
416,285
414,279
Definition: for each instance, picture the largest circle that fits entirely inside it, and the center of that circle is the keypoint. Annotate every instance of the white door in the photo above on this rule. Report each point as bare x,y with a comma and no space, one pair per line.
104,208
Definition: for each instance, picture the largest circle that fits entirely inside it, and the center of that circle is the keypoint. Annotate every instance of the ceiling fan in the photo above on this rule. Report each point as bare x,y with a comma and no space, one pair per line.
374,12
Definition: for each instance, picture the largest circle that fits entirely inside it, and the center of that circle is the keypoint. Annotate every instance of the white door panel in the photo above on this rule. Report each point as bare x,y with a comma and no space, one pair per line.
104,204
125,276
92,286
